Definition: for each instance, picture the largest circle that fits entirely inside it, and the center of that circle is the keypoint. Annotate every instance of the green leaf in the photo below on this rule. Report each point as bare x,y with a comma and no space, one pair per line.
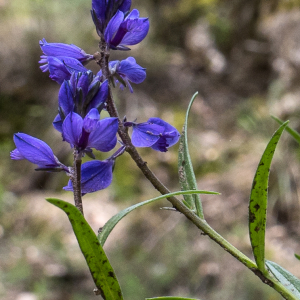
186,173
100,268
290,281
170,298
297,256
291,131
113,221
259,199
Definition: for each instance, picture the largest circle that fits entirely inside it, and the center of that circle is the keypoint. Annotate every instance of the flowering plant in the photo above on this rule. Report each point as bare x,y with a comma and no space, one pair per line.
82,97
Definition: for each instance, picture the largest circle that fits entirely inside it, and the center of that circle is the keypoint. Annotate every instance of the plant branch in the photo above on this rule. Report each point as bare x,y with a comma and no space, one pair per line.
76,181
177,204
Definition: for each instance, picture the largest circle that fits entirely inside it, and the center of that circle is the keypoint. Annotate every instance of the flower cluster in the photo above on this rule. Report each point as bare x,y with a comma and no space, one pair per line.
83,96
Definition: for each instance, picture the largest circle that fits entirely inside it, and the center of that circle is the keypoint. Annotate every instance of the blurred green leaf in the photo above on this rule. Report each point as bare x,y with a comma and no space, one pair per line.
259,199
291,131
290,281
100,268
186,173
297,256
171,298
113,221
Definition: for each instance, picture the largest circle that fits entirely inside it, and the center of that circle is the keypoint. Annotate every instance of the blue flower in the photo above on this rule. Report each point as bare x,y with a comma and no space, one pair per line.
96,175
37,152
60,49
125,71
126,30
90,132
103,10
61,67
155,133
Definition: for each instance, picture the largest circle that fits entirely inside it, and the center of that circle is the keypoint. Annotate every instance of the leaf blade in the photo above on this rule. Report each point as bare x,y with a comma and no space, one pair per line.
113,221
291,131
100,268
258,201
290,281
186,173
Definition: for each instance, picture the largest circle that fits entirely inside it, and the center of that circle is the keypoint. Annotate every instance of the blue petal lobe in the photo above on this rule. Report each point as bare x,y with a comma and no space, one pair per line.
65,98
146,134
91,119
72,128
57,123
103,138
113,26
34,150
137,31
95,175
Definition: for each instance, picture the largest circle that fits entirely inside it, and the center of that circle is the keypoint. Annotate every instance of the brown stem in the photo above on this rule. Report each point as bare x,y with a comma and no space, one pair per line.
76,181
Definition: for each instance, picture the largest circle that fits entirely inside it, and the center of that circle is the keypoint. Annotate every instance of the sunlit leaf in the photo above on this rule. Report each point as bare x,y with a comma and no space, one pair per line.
186,173
112,222
290,281
100,268
291,131
297,256
259,199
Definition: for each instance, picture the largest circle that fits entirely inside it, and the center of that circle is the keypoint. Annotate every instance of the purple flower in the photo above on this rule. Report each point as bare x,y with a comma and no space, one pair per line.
103,10
60,49
35,151
90,132
96,175
155,133
129,30
61,67
125,71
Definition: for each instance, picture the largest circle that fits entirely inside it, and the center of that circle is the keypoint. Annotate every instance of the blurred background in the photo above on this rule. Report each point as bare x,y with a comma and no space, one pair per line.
244,59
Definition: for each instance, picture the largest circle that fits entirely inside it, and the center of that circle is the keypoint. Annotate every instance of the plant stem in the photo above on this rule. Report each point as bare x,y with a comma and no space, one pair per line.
177,204
76,181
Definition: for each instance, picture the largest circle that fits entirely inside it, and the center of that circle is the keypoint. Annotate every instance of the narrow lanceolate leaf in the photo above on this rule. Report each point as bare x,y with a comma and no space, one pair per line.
100,268
290,281
297,256
258,201
113,221
291,131
170,298
186,173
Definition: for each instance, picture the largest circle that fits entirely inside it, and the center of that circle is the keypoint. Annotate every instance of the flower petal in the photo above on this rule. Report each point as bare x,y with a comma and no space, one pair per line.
100,97
99,6
34,150
57,123
113,26
65,98
60,49
145,134
169,138
72,128
95,175
134,72
91,119
103,138
137,31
